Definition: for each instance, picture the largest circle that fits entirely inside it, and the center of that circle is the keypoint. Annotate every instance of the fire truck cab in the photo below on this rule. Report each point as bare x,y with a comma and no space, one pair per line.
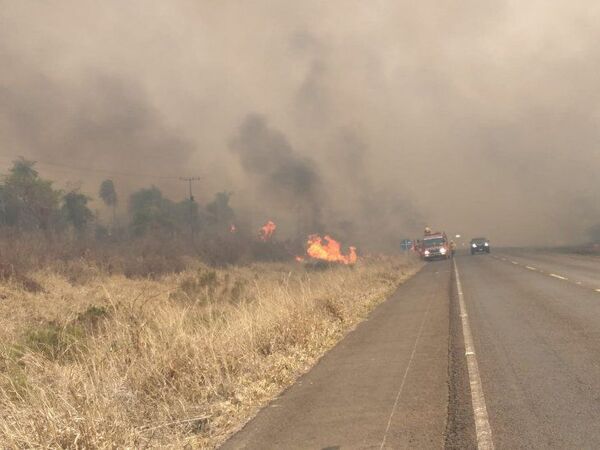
435,246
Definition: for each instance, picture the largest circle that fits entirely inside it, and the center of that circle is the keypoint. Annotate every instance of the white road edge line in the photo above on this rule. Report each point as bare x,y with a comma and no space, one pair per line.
597,290
482,422
514,262
560,277
530,268
412,356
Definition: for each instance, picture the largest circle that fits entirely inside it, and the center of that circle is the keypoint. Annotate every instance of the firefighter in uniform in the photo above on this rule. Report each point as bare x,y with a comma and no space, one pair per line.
452,248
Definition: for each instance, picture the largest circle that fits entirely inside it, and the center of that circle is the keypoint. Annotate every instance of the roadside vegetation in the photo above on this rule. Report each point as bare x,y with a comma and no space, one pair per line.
90,359
41,225
167,323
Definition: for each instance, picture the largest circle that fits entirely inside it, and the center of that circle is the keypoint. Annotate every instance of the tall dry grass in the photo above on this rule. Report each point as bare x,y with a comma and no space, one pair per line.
114,362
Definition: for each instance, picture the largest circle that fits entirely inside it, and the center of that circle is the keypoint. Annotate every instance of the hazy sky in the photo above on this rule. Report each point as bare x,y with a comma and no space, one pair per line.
370,119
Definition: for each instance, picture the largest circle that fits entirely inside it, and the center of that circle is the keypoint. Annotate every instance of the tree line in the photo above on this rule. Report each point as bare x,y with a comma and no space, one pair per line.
29,202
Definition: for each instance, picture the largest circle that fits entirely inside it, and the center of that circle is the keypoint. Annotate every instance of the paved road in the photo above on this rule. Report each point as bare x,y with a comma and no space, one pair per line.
400,380
538,346
579,269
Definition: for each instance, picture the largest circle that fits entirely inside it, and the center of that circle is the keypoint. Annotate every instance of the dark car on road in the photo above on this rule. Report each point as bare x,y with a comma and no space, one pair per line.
480,245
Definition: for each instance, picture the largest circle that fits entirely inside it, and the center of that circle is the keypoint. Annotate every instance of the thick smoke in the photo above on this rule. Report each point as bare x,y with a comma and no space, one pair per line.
104,123
479,118
366,212
285,179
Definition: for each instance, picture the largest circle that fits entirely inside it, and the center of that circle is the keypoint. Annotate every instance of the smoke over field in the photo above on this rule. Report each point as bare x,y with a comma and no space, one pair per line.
199,198
282,177
364,119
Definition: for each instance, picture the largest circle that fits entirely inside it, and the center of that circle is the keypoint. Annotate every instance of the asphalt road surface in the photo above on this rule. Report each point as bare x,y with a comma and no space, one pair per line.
408,378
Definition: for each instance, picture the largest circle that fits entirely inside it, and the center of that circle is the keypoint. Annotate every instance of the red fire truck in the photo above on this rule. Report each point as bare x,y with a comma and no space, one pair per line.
435,246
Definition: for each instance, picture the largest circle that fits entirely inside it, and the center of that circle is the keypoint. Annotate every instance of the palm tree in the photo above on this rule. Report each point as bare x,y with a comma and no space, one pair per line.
108,194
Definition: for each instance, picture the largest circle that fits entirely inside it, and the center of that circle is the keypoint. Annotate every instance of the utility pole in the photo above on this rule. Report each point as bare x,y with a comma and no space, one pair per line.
190,180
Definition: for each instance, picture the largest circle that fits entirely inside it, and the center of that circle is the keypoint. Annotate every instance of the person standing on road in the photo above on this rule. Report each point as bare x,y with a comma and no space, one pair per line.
452,248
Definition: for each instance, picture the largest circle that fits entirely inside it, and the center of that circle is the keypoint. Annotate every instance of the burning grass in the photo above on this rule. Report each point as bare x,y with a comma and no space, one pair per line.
110,361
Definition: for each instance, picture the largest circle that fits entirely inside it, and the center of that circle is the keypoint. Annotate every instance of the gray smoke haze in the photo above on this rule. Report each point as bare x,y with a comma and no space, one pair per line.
364,119
284,179
105,121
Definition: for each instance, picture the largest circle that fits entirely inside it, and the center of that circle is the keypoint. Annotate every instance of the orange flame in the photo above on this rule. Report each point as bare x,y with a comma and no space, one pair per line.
328,249
232,228
267,230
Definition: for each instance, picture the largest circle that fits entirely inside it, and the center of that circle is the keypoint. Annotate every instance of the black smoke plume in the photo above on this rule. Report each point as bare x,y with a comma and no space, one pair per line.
283,176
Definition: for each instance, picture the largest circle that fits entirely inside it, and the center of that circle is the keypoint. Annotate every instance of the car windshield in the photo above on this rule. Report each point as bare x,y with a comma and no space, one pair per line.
434,242
480,241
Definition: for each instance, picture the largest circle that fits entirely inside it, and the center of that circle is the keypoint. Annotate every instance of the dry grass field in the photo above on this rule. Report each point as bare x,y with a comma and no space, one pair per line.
104,361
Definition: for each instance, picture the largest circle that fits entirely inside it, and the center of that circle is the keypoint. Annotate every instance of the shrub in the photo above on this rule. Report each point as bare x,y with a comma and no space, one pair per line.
92,317
54,341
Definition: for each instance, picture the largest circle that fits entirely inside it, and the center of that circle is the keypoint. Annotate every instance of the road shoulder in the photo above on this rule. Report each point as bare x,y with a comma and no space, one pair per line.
383,386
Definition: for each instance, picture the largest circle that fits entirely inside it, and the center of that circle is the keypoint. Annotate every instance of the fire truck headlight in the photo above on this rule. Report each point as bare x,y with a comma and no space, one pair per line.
426,252
474,245
443,251
487,244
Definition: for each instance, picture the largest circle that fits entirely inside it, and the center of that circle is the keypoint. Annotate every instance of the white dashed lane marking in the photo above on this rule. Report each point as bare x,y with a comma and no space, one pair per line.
560,277
553,275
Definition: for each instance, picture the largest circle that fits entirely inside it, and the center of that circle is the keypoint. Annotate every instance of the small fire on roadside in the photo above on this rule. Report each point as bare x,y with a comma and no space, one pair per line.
267,230
328,249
